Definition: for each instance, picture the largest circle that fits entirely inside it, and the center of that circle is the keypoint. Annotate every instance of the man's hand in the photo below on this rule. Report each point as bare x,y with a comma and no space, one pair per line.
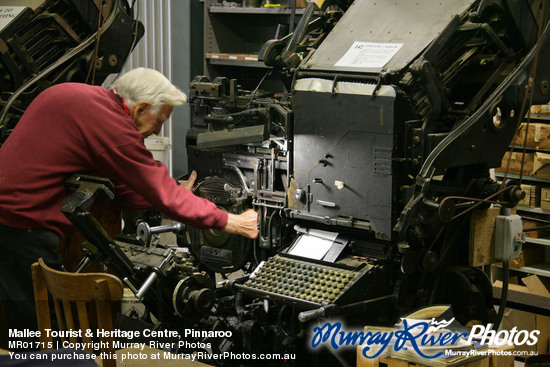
188,184
245,224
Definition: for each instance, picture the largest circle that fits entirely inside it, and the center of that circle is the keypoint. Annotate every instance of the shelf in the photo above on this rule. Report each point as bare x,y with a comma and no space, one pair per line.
231,56
538,241
532,210
248,64
234,35
529,149
524,177
540,246
242,60
536,116
542,269
252,10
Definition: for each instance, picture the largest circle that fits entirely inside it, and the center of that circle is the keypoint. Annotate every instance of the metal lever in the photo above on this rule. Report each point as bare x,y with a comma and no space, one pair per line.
314,314
144,232
151,278
146,285
82,265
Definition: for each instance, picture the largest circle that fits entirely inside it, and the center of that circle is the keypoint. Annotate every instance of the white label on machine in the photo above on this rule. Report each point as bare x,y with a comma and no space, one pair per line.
8,13
369,54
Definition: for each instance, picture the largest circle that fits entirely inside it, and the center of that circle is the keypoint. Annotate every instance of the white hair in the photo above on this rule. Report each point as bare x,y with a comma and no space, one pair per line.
142,84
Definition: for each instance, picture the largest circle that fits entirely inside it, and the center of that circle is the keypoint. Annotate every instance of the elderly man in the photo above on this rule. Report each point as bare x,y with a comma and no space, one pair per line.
74,127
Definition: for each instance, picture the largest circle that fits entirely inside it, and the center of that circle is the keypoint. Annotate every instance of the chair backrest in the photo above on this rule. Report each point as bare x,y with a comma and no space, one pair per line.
70,292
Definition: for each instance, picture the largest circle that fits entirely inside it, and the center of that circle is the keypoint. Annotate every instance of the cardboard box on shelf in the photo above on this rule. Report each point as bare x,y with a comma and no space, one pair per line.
527,199
528,224
543,109
527,320
530,254
541,165
538,136
516,159
534,164
532,196
545,198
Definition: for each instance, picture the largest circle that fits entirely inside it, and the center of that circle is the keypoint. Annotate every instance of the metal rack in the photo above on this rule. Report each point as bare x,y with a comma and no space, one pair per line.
233,33
542,268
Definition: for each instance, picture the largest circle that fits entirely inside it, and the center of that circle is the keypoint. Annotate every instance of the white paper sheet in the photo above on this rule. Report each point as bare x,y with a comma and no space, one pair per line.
311,247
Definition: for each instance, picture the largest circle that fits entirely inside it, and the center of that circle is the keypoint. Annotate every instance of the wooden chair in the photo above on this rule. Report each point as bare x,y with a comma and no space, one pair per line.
72,291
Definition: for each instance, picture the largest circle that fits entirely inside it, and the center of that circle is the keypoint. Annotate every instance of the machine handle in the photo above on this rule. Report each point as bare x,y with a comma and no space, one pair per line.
146,285
144,232
313,314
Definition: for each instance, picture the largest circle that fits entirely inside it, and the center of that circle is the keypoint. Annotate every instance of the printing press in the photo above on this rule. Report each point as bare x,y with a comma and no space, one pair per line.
365,172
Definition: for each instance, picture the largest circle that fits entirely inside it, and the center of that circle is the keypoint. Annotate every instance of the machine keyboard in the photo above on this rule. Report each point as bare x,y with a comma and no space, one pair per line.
301,279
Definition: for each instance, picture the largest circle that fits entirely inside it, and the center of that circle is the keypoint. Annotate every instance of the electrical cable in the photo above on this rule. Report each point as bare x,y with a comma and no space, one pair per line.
444,251
478,200
258,87
100,21
504,294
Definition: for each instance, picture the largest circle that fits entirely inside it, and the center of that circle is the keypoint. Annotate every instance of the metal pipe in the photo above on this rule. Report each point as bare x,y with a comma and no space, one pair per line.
146,285
83,264
292,16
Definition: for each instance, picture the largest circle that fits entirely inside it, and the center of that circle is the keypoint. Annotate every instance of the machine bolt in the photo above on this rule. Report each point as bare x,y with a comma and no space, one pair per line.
299,194
113,60
544,86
